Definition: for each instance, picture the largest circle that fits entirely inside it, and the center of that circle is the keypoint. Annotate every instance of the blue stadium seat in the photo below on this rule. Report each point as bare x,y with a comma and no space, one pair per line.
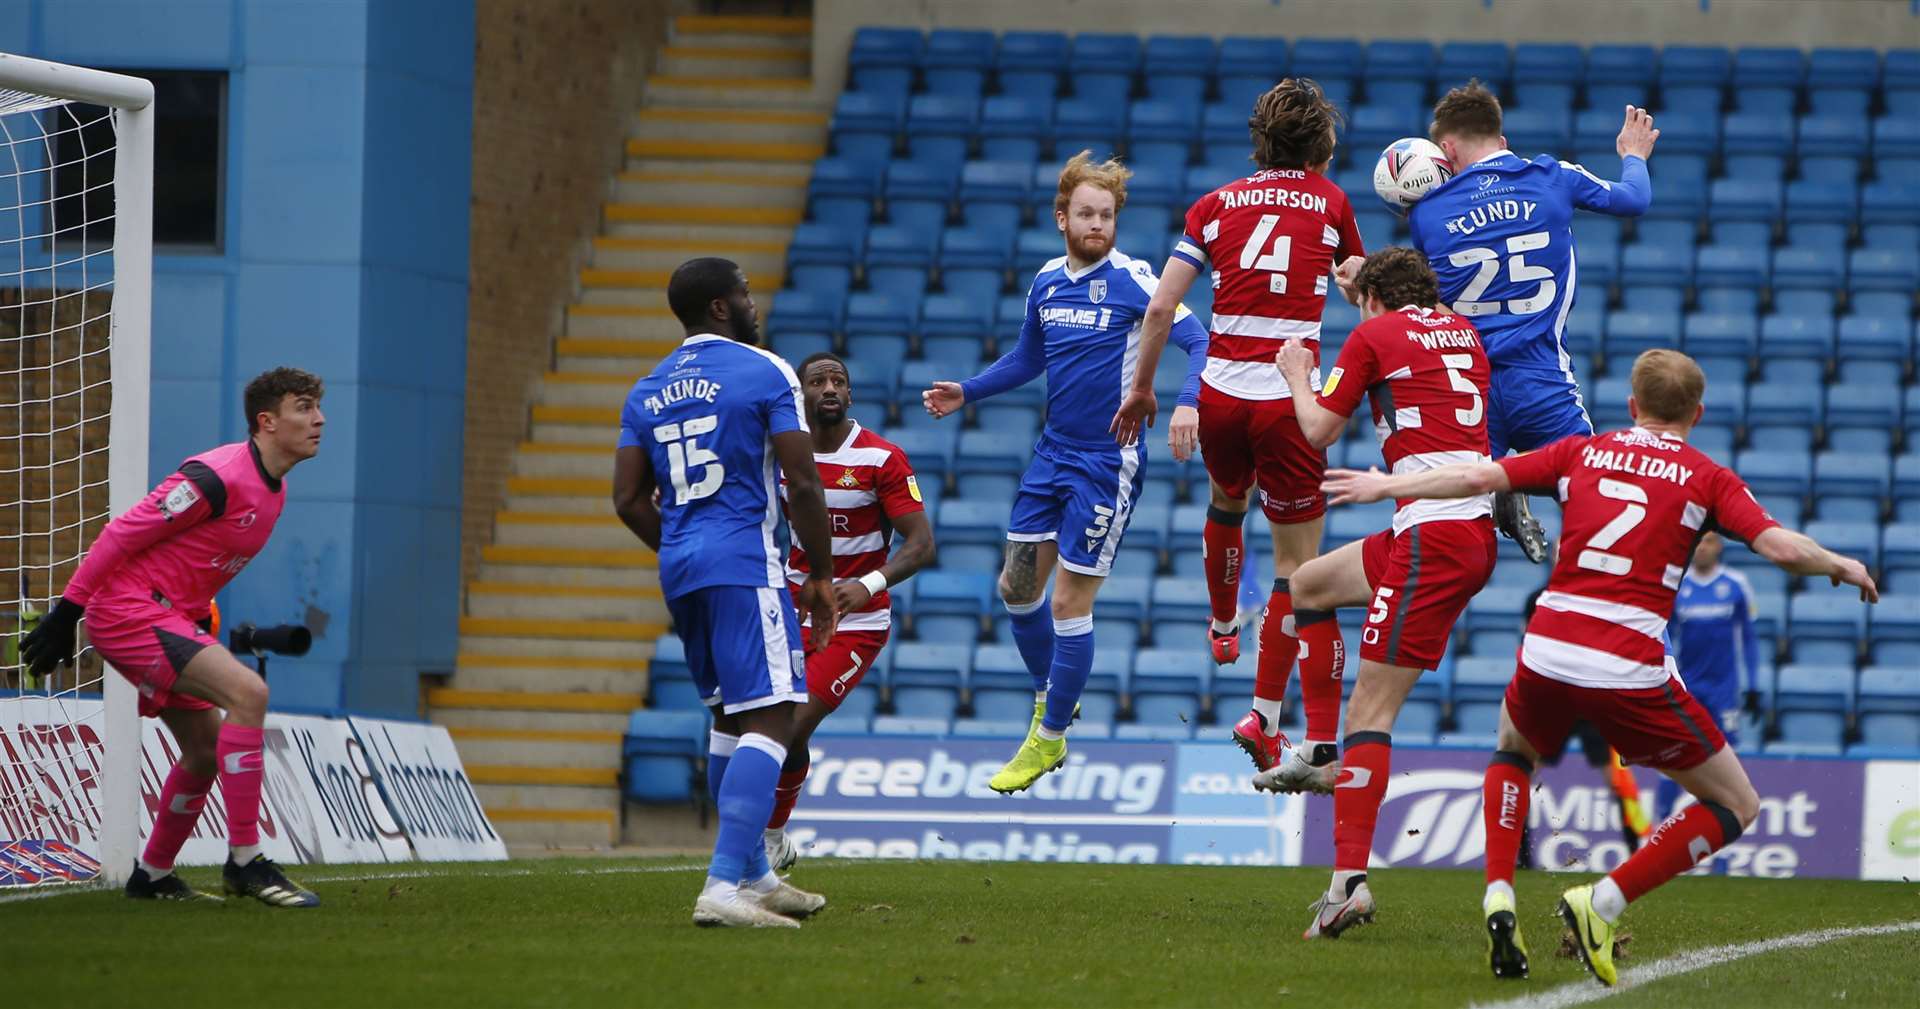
1494,643
865,123
1829,614
1866,404
1158,732
1884,270
1891,202
1819,269
1124,597
662,754
1883,235
1162,133
1548,62
1496,609
1147,526
1180,599
1177,67
1632,332
1544,95
947,315
1755,133
1901,543
1896,136
984,451
1703,101
1824,202
1372,127
1797,402
925,679
1776,471
802,311
996,182
1906,479
1860,540
1105,55
918,195
1833,136
1840,169
1015,128
1779,102
1851,474
1546,130
966,520
1167,684
955,593
1031,51
1261,58
1843,68
1694,65
1888,702
1714,333
1482,678
956,61
1874,338
1086,124
1823,692
1745,200
1619,64
1876,441
1327,59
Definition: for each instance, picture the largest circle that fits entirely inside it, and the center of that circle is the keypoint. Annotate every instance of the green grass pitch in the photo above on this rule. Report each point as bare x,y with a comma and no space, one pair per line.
608,932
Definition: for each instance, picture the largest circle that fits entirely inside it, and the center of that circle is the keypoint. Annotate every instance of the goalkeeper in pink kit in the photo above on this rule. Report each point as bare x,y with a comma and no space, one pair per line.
147,586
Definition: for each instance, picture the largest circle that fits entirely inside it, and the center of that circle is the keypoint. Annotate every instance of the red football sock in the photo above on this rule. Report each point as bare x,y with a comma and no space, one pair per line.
1323,659
785,794
241,770
1504,808
1357,793
1686,839
182,799
1224,549
1278,647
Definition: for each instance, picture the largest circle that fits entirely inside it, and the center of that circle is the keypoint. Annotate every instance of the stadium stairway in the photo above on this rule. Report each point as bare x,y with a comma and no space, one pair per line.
559,622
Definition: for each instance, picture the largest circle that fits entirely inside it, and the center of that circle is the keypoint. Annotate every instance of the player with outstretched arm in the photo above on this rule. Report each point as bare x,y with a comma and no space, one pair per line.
1636,503
871,494
146,589
1082,329
1497,234
714,427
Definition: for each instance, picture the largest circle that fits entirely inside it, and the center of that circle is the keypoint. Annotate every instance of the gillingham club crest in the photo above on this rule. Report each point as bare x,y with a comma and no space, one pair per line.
1097,291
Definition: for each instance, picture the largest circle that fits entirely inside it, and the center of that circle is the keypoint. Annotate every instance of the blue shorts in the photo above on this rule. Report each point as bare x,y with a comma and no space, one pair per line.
1532,408
743,645
1080,496
1723,703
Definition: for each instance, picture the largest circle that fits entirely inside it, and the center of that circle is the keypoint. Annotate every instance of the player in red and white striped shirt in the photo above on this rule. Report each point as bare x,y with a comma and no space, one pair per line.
871,494
1426,373
1635,503
1271,241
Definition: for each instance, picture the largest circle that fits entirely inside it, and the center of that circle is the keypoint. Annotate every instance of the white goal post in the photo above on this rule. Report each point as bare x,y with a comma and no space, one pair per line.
58,783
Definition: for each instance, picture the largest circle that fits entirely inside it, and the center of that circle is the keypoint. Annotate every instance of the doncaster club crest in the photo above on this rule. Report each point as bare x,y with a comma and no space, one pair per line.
848,480
1097,291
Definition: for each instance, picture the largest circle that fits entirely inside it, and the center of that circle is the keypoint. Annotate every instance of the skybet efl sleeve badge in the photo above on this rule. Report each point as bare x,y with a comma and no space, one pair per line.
183,496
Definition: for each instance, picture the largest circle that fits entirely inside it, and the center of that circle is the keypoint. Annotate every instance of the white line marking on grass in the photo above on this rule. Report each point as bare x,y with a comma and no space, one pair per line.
1589,990
55,890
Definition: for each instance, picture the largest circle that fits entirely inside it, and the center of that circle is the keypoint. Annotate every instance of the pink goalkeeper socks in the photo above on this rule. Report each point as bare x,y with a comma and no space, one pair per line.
181,800
241,771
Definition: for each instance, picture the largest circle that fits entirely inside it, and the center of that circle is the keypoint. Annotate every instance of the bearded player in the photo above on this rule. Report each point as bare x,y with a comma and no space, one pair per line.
1271,241
1426,374
146,588
871,495
1082,330
1636,503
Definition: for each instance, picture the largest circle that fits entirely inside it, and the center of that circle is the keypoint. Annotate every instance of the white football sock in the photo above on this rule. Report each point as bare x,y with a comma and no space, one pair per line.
154,871
765,884
1497,888
243,853
1608,902
1269,709
1048,734
721,890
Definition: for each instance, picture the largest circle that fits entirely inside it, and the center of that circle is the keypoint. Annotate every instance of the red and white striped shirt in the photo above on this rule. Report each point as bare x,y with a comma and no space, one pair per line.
1635,504
868,481
1270,241
1427,375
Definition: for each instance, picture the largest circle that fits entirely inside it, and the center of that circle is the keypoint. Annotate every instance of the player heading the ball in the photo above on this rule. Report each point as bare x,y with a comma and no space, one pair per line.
146,588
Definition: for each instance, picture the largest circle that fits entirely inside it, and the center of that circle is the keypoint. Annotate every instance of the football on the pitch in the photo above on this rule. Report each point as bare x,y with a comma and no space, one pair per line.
1407,170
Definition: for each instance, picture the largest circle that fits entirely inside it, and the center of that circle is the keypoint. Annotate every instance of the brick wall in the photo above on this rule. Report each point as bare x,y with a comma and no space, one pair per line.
555,87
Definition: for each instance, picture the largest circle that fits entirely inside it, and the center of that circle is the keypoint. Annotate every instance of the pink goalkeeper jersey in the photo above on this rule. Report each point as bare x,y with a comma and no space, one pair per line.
188,538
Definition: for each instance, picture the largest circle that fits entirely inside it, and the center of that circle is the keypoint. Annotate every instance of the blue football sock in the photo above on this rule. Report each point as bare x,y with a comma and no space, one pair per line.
1072,662
1033,635
746,800
720,747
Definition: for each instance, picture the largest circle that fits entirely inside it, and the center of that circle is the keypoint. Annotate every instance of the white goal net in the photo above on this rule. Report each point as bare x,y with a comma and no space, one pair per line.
76,173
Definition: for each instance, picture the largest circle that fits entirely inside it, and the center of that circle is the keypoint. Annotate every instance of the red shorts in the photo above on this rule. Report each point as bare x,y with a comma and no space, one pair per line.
1422,580
1244,441
149,645
833,671
1661,727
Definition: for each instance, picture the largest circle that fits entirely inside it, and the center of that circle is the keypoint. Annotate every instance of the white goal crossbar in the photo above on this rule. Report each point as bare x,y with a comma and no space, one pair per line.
131,98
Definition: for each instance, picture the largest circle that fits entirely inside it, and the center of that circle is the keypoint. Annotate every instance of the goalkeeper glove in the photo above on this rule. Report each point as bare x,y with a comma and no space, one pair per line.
52,638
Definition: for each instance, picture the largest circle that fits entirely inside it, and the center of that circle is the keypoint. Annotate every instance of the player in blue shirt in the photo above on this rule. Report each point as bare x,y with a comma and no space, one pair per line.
1497,235
709,432
1713,641
1082,329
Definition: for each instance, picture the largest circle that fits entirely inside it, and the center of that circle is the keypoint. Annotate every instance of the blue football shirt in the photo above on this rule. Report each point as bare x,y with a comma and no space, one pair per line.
1498,236
706,417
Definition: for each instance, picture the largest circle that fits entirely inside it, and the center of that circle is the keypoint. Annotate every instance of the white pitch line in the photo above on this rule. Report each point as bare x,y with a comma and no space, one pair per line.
1589,990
